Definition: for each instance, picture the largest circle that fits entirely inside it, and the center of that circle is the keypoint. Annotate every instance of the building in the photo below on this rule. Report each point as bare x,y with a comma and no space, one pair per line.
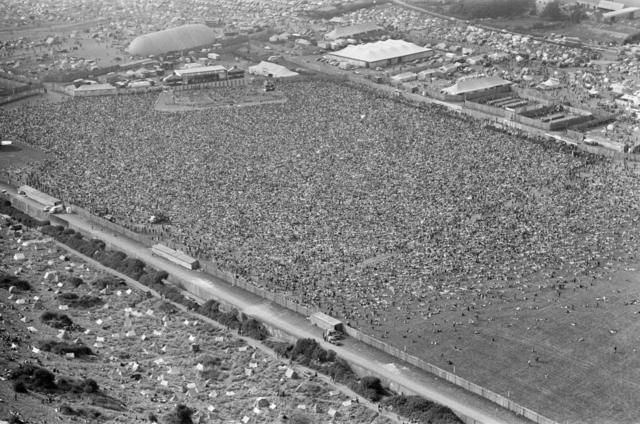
380,53
615,15
403,77
94,90
271,69
354,31
610,5
477,87
202,74
185,37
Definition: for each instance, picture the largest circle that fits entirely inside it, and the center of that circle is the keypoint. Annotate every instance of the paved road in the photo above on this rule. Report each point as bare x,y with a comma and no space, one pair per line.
413,379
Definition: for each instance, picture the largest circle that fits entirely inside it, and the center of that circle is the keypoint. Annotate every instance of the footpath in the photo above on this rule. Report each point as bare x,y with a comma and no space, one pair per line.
402,377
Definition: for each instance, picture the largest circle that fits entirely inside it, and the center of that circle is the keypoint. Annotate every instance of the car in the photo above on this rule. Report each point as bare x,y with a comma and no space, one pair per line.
56,208
332,336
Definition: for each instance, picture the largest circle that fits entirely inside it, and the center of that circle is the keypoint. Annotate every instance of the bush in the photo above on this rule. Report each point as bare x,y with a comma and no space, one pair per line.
56,320
340,371
61,348
418,409
308,350
34,378
71,385
180,415
85,301
369,387
281,348
75,281
89,413
254,329
52,230
6,281
153,278
110,283
21,217
19,387
211,309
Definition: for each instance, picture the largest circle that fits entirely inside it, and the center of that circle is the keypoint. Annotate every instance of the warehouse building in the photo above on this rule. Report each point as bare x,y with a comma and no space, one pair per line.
380,53
185,37
202,74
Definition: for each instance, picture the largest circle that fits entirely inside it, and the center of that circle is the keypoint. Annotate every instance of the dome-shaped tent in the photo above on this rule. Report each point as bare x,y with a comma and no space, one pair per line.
185,37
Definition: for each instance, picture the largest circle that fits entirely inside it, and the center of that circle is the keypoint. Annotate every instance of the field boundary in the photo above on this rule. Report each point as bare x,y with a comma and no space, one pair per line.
282,300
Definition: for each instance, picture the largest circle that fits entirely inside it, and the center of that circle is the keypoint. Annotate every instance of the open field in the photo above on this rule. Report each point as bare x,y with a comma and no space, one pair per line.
140,353
508,259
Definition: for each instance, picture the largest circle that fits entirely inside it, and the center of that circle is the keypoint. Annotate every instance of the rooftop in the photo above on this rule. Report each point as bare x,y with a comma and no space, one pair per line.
200,70
475,84
380,50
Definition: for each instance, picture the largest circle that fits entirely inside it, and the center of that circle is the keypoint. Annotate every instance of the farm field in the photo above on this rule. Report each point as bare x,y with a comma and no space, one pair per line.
140,356
509,261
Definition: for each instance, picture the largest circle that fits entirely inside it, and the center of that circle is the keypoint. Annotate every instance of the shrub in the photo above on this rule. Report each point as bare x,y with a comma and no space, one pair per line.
67,297
180,415
56,320
33,378
71,385
80,412
109,283
6,281
61,348
131,267
340,371
211,309
254,329
281,348
76,281
153,278
21,217
418,409
74,301
52,230
369,387
19,387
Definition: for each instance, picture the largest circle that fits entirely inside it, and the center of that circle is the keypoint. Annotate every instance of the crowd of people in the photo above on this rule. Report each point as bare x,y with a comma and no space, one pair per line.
340,198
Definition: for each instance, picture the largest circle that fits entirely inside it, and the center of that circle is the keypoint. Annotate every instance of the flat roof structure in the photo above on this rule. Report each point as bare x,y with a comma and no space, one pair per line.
471,85
628,11
610,5
381,51
201,70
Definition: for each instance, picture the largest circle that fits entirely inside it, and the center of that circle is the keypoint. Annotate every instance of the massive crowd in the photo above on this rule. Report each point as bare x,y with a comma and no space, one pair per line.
341,198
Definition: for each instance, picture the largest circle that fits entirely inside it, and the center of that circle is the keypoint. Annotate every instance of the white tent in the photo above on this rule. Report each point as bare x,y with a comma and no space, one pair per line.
266,68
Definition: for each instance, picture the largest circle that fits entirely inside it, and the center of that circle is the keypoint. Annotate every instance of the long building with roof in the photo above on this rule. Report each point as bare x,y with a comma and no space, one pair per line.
185,37
380,53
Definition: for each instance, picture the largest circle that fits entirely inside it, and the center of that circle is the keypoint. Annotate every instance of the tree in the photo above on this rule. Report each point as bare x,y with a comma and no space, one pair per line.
553,11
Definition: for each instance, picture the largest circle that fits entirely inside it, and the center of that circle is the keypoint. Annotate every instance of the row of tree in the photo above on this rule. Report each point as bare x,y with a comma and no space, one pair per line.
480,9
